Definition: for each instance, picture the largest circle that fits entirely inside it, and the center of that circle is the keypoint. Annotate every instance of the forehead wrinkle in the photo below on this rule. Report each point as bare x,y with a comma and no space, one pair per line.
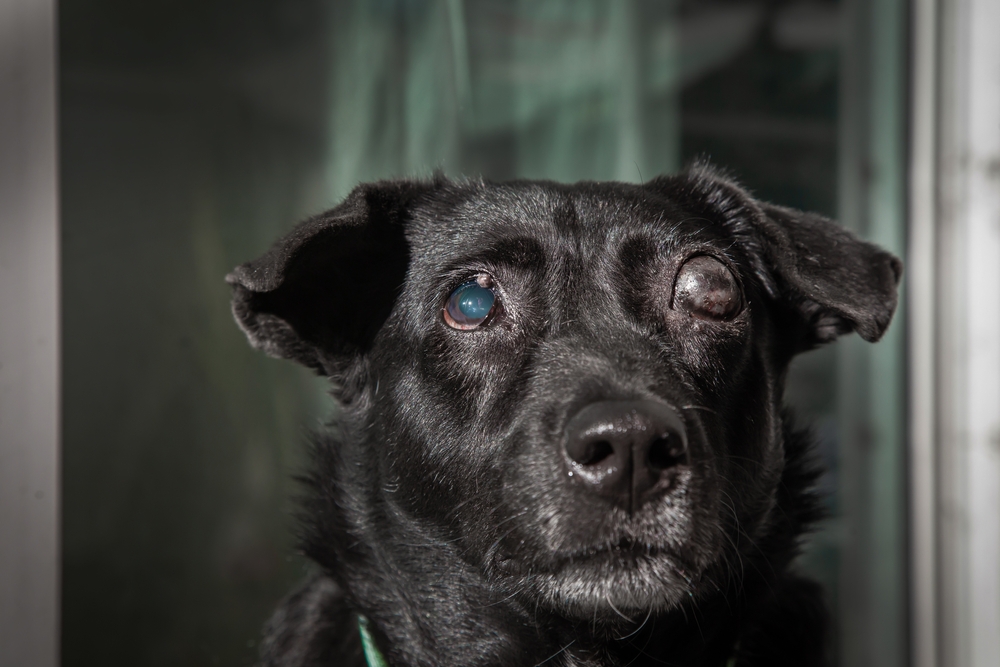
592,230
608,222
516,252
489,215
666,224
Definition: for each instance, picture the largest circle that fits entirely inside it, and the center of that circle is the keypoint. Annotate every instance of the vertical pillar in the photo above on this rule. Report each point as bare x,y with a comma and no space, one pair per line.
29,336
922,309
968,361
871,379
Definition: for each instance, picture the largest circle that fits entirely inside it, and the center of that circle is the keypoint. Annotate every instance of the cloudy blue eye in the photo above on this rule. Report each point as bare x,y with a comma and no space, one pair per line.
470,304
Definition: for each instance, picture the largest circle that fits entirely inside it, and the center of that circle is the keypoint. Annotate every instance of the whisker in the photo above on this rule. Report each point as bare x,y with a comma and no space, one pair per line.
699,407
641,626
607,599
500,539
556,653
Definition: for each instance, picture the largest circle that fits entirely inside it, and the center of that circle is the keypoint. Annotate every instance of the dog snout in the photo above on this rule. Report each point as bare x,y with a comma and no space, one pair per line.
625,451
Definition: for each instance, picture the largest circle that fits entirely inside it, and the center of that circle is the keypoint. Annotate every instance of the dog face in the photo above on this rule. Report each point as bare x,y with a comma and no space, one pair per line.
577,387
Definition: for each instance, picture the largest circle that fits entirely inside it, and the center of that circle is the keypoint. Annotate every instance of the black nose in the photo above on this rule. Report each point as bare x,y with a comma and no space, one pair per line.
625,450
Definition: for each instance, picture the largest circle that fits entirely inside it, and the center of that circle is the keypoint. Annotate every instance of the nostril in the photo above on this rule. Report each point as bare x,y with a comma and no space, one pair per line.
625,451
665,452
595,453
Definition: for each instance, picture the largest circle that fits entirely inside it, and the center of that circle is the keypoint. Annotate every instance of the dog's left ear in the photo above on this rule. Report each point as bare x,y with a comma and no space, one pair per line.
320,295
831,281
836,281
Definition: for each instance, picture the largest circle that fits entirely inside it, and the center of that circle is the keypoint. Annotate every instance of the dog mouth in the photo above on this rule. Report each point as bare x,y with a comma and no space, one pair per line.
612,578
609,557
623,552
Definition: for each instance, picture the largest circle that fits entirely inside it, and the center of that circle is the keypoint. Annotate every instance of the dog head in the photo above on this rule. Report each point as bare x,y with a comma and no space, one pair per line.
576,388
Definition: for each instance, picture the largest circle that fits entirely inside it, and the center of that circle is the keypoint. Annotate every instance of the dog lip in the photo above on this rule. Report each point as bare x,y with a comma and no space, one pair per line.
624,547
505,564
626,556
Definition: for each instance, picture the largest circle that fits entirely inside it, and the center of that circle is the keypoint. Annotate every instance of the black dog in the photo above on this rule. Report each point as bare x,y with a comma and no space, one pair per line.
560,438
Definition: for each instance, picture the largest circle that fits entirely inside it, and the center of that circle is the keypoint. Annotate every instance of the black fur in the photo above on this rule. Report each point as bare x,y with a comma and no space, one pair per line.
438,503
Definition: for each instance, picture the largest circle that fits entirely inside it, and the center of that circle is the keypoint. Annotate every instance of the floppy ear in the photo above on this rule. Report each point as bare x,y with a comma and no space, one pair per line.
832,281
837,282
320,295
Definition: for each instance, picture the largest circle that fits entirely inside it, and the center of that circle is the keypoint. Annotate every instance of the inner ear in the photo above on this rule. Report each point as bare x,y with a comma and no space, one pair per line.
340,288
322,293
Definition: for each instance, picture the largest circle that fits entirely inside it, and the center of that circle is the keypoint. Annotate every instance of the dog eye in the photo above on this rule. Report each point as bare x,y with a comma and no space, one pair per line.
470,304
706,289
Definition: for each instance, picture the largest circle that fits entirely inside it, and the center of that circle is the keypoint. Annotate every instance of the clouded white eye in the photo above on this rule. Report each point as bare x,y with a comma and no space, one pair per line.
707,289
470,304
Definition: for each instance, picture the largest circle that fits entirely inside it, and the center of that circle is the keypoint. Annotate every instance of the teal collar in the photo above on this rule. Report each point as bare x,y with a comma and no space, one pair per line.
373,656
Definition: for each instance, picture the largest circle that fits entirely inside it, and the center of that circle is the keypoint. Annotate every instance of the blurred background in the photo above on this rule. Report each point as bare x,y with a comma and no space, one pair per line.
193,133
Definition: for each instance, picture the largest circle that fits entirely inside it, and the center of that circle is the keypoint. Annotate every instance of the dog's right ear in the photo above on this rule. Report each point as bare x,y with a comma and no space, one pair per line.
320,295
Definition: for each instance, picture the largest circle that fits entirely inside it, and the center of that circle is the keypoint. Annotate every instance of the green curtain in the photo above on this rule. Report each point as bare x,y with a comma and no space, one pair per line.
561,89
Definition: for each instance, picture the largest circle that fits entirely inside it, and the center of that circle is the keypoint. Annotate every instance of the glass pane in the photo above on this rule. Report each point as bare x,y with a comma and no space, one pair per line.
191,133
195,132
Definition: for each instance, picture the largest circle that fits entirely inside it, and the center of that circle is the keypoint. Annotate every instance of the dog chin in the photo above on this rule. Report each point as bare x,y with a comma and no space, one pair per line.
613,585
